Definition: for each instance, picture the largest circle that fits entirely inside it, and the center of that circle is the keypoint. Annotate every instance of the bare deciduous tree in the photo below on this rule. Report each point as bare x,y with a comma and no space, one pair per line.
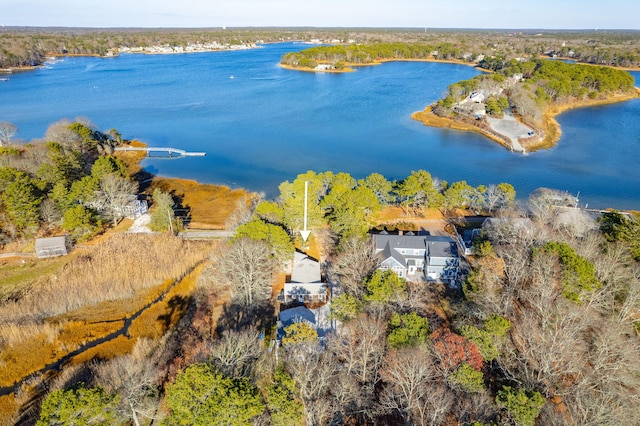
7,131
236,351
134,377
247,266
412,386
61,133
50,214
314,373
355,261
113,197
361,349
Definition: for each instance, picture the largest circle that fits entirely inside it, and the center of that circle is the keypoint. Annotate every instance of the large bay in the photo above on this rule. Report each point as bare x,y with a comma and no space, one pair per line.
261,124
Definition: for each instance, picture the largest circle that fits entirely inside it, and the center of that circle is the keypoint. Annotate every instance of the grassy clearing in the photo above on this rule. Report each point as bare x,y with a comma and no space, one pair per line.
311,246
209,205
391,214
17,275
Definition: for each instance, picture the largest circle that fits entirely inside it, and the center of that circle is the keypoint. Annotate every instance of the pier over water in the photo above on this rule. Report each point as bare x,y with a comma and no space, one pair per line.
169,152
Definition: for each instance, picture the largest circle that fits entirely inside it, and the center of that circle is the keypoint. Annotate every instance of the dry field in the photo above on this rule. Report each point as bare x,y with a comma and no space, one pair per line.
95,303
208,206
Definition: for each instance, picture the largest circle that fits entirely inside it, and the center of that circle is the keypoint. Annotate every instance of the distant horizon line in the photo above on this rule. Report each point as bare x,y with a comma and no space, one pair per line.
311,27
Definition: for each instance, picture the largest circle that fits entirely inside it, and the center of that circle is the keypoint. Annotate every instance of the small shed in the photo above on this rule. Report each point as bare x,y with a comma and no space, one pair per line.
51,247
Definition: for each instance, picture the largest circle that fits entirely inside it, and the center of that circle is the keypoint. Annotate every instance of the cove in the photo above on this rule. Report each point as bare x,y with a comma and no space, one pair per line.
261,124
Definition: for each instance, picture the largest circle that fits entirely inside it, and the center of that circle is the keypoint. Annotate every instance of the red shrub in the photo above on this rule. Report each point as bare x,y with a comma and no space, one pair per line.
453,350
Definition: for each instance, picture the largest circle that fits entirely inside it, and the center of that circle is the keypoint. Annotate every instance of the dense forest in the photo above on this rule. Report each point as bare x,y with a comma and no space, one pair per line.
30,46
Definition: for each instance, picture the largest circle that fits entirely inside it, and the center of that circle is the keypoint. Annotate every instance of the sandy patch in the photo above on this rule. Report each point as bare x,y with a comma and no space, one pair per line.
141,224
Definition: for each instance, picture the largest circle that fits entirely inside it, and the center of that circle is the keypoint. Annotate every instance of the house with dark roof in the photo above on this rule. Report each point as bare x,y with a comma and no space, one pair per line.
416,256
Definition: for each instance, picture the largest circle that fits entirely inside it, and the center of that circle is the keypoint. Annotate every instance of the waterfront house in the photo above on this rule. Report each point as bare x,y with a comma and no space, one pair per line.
477,97
306,284
411,256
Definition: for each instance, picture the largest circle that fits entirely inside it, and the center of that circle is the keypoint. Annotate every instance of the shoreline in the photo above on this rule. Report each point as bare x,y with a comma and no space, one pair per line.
111,54
550,126
330,71
349,66
209,205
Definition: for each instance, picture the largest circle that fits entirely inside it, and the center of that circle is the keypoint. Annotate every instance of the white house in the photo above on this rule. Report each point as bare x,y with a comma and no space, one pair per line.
477,97
305,284
410,255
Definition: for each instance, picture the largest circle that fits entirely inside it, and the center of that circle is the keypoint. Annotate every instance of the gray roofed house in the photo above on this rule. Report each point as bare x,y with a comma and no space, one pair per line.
317,318
306,283
408,255
442,258
51,247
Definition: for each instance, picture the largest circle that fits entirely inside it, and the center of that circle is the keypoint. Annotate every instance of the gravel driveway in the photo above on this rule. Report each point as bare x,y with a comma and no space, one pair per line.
511,128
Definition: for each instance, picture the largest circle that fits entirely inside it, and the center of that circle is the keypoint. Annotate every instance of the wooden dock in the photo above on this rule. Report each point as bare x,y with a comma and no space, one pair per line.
172,152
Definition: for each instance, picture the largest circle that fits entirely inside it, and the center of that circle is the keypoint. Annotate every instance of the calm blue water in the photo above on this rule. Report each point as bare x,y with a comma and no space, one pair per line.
261,125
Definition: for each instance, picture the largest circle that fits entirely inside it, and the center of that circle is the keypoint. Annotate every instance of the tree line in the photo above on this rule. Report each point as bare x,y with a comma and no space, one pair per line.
463,47
31,46
544,330
69,181
529,86
348,205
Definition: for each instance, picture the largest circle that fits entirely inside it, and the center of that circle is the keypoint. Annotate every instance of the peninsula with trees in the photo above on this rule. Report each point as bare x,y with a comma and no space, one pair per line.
514,102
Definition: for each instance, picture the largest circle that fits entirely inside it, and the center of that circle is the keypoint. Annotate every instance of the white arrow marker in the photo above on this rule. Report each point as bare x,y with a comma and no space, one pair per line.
304,233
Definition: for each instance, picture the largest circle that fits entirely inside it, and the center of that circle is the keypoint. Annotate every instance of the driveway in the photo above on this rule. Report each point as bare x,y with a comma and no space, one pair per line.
511,128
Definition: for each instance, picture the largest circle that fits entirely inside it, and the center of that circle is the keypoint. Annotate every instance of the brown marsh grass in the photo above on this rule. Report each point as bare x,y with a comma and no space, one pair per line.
209,205
90,298
158,319
34,352
114,270
8,410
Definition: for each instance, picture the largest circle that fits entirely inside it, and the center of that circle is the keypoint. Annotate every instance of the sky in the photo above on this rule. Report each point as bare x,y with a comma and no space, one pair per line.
522,14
